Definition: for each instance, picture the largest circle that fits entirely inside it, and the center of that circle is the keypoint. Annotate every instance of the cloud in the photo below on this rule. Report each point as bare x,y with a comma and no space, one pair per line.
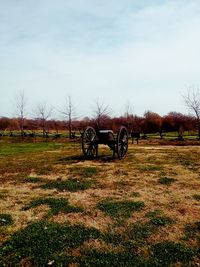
114,50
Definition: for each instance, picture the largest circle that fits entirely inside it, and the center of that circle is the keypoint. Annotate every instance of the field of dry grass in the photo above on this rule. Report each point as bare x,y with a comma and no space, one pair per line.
58,209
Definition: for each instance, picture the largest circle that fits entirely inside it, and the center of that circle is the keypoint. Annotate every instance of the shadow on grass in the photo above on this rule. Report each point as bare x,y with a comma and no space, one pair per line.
79,158
72,159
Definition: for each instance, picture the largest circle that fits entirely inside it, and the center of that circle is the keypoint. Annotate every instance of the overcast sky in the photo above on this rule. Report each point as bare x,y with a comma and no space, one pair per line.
142,51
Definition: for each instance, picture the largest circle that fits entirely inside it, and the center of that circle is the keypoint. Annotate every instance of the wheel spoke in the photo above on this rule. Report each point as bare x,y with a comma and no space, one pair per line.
89,142
122,142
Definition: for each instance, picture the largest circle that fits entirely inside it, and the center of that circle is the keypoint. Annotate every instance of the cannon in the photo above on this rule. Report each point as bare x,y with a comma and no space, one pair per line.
118,143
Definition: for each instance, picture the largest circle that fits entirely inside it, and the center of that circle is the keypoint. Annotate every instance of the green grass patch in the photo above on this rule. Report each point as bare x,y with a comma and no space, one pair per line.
72,185
33,180
188,160
3,194
196,197
5,219
168,253
84,171
166,180
113,238
138,232
192,231
150,168
63,260
56,205
42,241
120,208
133,237
157,218
107,259
19,148
135,194
160,254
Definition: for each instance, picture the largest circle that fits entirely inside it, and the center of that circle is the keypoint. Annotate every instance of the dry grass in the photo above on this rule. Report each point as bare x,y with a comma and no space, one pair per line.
136,178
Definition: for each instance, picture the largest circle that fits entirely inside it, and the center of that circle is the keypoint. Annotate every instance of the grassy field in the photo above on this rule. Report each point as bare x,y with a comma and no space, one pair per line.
58,209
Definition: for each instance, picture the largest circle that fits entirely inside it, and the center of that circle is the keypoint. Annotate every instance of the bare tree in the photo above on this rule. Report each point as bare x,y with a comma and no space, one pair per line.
192,101
21,110
69,113
100,112
128,108
129,116
43,113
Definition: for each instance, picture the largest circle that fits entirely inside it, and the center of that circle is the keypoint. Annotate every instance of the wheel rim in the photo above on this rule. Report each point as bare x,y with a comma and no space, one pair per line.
89,143
122,142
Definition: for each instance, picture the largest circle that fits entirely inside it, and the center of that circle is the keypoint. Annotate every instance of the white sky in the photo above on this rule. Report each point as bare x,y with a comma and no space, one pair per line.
144,52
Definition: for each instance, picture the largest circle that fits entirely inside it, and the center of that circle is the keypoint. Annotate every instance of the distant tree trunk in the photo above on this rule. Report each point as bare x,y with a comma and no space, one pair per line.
69,113
70,122
180,133
129,116
21,110
192,101
198,129
161,134
44,114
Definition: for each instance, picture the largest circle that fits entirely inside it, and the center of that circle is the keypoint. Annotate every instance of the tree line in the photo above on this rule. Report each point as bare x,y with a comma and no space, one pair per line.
150,122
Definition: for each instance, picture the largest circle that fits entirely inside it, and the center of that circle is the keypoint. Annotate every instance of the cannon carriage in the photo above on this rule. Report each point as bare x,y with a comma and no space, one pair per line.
118,143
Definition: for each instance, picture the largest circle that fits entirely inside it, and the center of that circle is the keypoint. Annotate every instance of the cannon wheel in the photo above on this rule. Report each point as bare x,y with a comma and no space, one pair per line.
122,142
89,143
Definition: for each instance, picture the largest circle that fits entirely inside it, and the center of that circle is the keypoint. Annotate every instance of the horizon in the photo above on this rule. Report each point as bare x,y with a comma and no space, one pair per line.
109,116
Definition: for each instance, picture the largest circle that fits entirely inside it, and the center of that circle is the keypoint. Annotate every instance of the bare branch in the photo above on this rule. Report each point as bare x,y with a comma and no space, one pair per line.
44,113
21,103
101,110
128,109
192,101
69,112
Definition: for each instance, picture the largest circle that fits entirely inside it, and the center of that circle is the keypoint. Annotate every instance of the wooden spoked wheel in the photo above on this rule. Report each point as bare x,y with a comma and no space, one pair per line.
122,142
89,143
